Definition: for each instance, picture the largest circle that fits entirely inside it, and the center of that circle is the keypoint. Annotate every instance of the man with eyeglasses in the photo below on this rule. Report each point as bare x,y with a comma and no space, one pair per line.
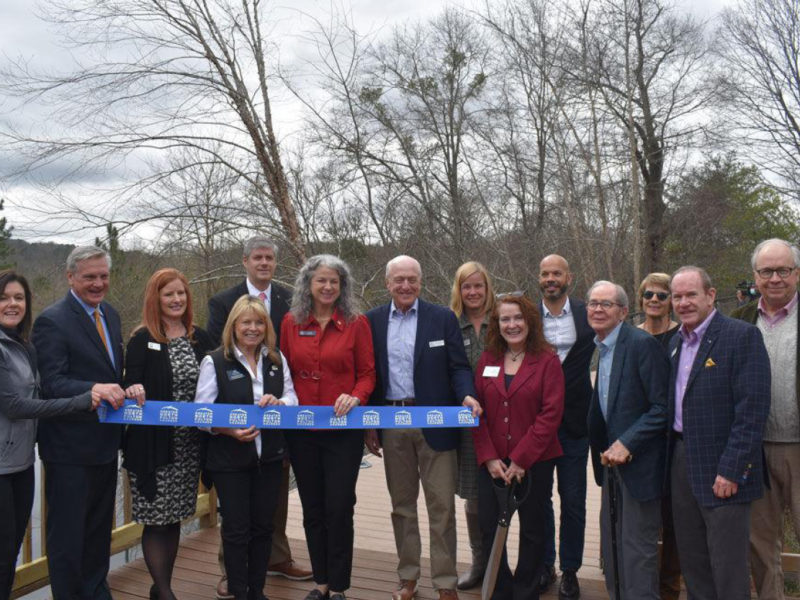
420,361
775,267
627,422
719,400
567,329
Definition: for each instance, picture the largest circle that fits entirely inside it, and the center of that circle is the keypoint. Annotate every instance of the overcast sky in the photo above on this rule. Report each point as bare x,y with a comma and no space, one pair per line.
24,34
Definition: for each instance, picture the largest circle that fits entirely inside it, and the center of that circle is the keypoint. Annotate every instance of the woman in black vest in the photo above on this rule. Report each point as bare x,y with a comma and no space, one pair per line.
245,463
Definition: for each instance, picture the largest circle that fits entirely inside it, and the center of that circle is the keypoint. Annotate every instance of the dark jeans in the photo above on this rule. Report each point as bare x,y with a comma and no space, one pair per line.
571,469
248,500
326,465
80,509
16,500
524,583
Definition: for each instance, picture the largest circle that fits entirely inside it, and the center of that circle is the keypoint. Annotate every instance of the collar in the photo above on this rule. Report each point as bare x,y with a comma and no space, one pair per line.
393,310
564,311
464,321
87,307
254,291
782,311
336,318
699,331
611,339
241,357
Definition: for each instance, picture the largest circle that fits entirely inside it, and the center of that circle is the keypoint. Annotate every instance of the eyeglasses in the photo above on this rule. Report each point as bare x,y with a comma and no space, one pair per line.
605,304
514,294
648,295
783,272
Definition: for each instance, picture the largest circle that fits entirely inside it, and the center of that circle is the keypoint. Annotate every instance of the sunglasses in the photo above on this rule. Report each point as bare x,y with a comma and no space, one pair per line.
648,295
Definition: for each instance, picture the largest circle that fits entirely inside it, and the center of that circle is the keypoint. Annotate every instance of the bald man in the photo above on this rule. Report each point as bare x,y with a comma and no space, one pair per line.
566,327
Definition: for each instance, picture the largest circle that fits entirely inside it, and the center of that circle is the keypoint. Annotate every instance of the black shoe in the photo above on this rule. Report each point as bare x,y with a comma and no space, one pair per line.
547,578
569,588
315,594
153,592
337,596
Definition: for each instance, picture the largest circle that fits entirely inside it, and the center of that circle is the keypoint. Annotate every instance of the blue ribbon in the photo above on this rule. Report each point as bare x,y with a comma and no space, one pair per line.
157,412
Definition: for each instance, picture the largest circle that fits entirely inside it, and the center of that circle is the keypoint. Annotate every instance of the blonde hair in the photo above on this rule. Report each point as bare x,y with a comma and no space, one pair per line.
255,305
660,279
468,269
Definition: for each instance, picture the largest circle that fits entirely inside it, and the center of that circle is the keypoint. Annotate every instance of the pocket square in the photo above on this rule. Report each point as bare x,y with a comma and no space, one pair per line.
710,363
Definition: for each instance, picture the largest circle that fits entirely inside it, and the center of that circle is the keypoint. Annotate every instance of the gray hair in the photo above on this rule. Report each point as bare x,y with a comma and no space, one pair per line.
399,259
794,250
81,253
256,242
302,303
705,278
620,296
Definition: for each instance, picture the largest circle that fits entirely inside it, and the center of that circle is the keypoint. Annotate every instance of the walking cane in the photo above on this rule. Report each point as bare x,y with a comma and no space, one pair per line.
613,516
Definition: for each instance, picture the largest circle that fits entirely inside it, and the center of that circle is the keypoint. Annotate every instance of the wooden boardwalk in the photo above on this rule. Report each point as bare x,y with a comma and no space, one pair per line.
374,576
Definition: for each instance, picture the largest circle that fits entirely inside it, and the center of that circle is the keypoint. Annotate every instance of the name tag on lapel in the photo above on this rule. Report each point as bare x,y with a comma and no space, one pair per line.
435,343
491,371
233,375
154,346
467,342
674,352
308,333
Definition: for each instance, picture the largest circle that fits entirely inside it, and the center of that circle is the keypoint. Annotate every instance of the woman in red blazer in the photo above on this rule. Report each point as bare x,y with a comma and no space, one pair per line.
520,385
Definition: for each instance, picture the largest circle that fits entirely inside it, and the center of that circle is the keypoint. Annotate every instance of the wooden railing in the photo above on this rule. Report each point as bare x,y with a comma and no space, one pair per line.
32,572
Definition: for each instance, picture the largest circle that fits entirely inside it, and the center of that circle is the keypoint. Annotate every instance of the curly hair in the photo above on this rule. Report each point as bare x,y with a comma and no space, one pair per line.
303,303
536,342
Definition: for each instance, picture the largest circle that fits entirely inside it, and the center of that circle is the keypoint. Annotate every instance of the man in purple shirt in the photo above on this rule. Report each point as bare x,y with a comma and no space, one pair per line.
719,399
775,268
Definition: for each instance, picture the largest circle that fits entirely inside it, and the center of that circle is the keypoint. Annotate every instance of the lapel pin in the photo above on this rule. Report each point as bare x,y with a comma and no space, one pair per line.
710,363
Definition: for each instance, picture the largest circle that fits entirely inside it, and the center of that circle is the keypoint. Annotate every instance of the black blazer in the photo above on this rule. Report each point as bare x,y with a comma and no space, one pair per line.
220,305
71,359
577,383
147,447
442,375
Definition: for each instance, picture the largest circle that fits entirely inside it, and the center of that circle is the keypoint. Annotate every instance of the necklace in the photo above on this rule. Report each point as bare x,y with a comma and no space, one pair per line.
515,355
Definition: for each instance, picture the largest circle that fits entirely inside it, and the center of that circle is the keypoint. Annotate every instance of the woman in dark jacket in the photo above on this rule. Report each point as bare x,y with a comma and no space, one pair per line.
163,463
19,407
246,463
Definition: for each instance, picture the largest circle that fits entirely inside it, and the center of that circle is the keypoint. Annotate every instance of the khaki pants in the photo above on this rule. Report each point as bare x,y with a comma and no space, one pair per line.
766,521
409,460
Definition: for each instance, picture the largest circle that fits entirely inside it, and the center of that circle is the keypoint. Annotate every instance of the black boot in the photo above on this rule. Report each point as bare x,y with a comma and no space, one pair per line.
473,576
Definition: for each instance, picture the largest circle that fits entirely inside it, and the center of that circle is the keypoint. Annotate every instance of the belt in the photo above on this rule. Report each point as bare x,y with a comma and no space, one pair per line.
401,402
678,435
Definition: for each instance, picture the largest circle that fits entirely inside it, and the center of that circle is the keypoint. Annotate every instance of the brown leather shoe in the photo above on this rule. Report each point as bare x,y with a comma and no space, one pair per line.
406,590
222,589
448,595
290,570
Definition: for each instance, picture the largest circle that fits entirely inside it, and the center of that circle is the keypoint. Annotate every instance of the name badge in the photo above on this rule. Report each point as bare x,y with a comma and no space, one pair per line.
154,346
308,333
233,375
491,371
436,343
467,342
674,352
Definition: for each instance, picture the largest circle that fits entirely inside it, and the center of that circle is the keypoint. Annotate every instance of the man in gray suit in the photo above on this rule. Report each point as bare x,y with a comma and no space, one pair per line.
627,435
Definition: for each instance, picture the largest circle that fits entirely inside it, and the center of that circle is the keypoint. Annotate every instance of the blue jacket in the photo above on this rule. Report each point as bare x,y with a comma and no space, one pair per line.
636,414
442,376
725,408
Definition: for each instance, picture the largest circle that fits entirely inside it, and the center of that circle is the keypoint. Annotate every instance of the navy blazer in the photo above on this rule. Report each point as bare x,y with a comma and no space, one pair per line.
71,359
636,414
725,408
220,305
442,375
577,382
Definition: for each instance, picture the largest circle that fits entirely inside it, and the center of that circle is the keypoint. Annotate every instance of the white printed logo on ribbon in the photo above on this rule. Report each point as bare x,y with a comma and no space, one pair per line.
133,414
338,421
465,417
371,418
435,417
203,416
402,417
305,418
102,412
168,414
238,416
272,418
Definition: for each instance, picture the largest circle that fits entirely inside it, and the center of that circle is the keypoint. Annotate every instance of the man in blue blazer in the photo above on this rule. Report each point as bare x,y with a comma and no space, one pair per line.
627,433
420,360
78,343
719,402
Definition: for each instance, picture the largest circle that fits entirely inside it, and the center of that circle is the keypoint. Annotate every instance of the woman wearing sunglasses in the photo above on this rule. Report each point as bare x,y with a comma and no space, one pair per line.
654,302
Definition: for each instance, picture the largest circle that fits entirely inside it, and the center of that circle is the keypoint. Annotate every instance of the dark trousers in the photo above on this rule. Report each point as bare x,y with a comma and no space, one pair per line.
80,509
248,500
523,584
571,469
16,500
326,465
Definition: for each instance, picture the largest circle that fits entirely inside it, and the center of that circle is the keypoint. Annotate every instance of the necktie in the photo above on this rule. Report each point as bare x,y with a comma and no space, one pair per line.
262,296
99,324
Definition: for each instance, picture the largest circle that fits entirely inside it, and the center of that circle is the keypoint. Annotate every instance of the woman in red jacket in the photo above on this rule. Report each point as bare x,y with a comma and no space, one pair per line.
520,385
